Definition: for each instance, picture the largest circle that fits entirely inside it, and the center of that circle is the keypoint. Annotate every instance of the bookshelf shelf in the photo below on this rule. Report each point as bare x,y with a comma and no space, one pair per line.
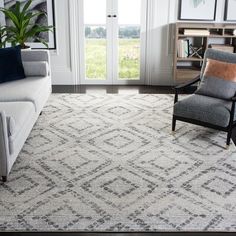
229,35
189,59
183,73
220,36
208,36
184,36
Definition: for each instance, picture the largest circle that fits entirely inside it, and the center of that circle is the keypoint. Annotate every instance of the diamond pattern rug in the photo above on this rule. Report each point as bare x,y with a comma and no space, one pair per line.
110,163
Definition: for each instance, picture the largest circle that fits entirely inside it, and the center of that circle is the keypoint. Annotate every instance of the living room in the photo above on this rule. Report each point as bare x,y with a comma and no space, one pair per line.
117,117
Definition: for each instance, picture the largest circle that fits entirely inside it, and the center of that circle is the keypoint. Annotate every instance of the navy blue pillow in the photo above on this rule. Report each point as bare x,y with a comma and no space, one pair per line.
11,67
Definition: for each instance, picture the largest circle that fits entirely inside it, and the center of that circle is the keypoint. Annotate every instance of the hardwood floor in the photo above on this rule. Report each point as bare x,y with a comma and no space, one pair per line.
112,89
122,89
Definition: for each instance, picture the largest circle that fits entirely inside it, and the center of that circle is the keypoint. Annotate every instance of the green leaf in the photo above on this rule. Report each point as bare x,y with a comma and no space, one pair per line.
42,41
26,7
17,9
12,17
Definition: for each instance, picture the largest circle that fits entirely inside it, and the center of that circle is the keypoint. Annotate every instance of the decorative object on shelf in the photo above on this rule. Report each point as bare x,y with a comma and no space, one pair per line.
230,9
196,32
42,16
196,51
183,48
198,10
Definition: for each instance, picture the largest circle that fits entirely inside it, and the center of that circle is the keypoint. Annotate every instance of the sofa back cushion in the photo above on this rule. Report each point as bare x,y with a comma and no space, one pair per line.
219,80
11,67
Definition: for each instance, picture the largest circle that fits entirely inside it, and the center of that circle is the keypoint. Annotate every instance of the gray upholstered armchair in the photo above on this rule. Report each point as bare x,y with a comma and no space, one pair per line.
213,104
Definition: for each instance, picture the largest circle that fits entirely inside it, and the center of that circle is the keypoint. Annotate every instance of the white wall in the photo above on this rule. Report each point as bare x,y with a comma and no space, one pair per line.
61,57
160,42
159,47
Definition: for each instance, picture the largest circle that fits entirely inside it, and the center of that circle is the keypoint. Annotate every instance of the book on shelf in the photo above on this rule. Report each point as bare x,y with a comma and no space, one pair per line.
234,32
196,32
183,48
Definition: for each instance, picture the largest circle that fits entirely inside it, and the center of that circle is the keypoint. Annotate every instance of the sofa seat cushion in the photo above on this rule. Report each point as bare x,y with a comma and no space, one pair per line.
28,90
205,109
17,114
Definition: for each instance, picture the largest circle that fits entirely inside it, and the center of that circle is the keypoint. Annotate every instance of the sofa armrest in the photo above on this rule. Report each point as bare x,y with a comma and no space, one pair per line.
4,145
33,68
35,55
36,62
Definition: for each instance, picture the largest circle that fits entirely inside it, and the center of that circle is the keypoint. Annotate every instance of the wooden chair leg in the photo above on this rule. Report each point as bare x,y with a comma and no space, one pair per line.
173,124
229,135
4,179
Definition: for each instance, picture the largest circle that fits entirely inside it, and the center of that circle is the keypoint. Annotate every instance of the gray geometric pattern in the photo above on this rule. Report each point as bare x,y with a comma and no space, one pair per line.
109,163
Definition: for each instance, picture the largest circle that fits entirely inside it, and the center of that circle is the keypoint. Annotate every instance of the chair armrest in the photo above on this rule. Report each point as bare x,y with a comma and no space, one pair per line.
189,83
182,86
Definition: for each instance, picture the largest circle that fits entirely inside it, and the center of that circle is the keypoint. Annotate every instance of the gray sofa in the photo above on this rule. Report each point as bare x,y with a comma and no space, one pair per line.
21,102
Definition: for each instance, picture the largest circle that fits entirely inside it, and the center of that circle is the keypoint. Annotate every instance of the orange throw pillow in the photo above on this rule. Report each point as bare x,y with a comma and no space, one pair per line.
222,70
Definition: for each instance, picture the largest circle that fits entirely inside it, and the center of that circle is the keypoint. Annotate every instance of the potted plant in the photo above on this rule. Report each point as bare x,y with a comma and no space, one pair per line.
3,37
22,29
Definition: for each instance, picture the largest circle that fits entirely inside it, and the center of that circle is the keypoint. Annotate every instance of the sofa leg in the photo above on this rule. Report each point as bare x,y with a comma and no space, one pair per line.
4,179
173,124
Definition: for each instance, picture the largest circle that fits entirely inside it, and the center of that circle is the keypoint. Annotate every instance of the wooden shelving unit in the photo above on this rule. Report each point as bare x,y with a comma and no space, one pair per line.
189,67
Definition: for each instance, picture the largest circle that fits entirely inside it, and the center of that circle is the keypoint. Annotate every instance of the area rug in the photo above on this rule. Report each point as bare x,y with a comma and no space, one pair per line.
109,163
